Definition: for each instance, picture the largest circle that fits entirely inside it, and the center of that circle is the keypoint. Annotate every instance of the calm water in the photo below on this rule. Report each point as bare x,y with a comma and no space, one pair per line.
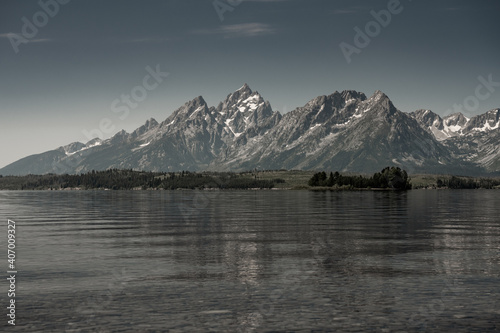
255,261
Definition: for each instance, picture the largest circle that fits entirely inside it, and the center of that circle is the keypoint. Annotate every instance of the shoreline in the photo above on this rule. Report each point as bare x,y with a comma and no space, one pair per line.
312,189
277,180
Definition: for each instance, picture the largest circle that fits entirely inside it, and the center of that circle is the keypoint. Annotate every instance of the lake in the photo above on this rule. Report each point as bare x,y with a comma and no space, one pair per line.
254,261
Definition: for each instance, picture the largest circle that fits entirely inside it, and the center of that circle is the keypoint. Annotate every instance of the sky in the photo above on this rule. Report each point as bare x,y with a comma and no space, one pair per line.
71,70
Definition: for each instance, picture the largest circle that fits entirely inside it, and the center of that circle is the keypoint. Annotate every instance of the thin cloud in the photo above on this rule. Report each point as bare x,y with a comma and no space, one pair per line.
351,10
344,11
146,40
41,40
38,40
6,35
239,30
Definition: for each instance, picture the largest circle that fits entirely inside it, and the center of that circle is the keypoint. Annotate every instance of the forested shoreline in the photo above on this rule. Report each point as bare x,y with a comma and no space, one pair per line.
390,178
115,179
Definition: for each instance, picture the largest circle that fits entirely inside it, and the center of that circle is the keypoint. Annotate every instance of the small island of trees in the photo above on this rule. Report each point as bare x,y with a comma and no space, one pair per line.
389,178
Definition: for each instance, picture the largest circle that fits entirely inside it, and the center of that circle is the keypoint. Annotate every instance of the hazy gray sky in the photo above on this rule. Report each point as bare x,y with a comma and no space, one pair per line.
62,77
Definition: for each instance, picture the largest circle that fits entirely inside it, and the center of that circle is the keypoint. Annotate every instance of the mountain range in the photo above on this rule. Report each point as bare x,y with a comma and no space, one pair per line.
344,131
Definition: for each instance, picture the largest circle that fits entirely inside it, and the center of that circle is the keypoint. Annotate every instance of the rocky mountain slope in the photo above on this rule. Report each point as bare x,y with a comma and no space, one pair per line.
475,140
344,131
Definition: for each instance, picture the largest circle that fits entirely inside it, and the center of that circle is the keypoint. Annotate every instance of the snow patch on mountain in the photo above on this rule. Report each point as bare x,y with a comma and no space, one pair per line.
487,127
91,144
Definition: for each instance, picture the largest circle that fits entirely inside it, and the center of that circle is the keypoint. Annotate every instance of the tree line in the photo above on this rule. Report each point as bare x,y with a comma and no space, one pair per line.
389,178
454,182
115,179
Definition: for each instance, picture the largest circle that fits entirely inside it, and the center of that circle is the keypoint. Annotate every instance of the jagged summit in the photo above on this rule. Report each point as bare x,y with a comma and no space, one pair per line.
379,95
196,102
344,131
485,122
72,148
243,93
352,94
190,109
148,126
151,122
246,88
456,119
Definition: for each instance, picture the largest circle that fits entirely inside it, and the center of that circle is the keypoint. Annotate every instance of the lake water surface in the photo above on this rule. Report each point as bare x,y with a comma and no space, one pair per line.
254,261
